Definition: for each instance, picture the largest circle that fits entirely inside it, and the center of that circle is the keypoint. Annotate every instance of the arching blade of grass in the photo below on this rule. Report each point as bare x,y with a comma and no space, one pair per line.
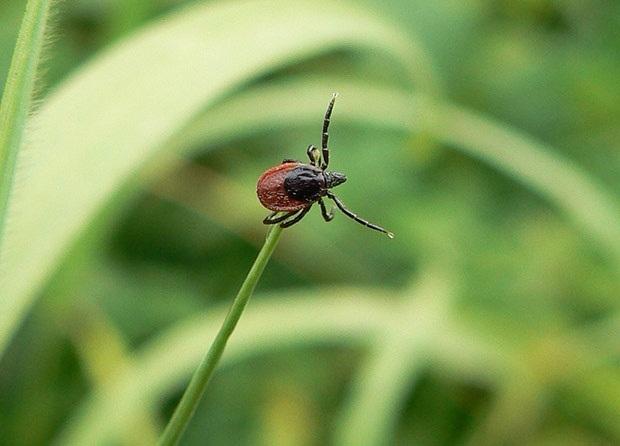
537,166
104,355
387,376
356,316
109,122
17,96
532,163
340,316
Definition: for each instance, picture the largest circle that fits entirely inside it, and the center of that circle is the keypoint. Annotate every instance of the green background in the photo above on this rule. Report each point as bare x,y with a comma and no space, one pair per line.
491,318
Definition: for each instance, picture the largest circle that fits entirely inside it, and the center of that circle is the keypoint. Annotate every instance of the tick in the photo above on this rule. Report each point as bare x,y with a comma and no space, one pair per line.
293,187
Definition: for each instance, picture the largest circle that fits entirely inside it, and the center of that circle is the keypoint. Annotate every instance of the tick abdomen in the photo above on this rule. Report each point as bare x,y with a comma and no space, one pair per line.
272,193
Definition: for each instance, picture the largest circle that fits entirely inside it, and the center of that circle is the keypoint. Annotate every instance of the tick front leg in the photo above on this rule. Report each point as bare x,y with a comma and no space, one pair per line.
328,216
325,134
270,220
355,217
292,221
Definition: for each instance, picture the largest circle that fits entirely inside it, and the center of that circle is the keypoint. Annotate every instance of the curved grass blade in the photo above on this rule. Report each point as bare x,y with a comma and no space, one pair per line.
352,317
530,162
108,123
538,167
17,96
395,362
356,316
104,354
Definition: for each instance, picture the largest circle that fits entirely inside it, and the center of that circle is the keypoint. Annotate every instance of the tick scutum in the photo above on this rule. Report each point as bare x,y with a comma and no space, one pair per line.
305,183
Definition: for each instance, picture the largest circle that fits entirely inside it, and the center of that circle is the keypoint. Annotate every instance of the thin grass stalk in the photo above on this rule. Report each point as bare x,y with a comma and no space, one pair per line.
198,384
17,97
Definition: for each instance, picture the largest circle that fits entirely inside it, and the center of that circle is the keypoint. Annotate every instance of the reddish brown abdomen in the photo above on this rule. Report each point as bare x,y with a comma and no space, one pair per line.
271,192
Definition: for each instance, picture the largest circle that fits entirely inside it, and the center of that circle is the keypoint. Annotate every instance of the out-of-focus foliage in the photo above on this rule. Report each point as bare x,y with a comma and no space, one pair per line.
492,318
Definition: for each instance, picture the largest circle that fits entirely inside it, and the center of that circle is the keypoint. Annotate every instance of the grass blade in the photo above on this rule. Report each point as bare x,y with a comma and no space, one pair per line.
104,355
537,166
350,317
17,96
331,316
395,362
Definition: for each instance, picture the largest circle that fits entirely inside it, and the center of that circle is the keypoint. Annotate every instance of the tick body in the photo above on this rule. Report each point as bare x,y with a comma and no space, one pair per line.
293,187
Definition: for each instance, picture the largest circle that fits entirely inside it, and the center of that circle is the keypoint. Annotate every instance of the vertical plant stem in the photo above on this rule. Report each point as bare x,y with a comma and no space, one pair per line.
17,95
198,384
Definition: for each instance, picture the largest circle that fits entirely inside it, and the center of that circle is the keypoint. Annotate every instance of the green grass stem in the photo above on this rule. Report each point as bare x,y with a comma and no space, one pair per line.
17,96
198,384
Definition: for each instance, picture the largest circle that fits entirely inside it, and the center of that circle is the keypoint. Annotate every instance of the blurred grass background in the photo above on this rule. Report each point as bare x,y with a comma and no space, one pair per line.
491,319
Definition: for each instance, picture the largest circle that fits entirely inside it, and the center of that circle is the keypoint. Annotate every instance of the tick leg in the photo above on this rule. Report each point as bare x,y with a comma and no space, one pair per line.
287,160
314,155
299,216
328,216
360,220
270,220
325,135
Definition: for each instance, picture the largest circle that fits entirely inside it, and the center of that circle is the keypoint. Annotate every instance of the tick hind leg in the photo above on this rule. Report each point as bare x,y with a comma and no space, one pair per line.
328,216
295,219
271,219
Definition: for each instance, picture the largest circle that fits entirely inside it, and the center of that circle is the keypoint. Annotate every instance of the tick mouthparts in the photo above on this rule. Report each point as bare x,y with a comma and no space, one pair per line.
335,178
